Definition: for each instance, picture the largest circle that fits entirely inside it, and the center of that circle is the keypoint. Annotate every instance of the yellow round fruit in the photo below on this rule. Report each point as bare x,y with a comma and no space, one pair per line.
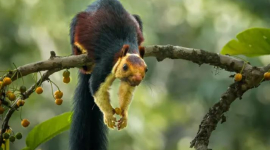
1,84
58,94
20,103
66,80
1,110
23,102
25,123
7,81
58,101
267,76
238,77
11,96
39,90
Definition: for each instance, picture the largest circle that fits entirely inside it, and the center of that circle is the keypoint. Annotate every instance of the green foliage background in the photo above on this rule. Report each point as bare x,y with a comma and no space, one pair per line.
251,42
169,105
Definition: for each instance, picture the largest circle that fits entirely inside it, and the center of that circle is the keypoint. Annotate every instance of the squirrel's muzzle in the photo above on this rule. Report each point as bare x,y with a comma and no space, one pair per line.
135,80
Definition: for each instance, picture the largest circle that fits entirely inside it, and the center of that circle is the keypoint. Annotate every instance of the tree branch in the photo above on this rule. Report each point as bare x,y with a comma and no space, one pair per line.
52,63
252,77
159,51
197,56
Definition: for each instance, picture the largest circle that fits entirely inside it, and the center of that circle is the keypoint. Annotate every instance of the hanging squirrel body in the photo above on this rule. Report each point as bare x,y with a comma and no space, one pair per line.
112,37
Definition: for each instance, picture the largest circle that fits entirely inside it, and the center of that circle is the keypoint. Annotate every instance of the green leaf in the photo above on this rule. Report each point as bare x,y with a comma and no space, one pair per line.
251,42
47,130
26,148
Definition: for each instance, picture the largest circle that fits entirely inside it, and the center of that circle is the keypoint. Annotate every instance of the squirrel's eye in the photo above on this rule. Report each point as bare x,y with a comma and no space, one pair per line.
146,69
125,67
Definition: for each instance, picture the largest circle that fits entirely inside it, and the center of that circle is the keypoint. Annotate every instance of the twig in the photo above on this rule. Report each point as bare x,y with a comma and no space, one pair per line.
52,63
252,79
14,106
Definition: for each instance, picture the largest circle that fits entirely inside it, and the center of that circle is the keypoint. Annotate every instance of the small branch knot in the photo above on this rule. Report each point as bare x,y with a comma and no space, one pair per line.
53,54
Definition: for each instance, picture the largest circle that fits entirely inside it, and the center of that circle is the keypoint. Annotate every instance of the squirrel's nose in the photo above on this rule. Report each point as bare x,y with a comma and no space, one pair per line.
136,79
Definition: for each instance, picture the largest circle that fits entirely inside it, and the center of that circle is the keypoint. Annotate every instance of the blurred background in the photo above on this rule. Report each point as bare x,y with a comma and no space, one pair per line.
170,104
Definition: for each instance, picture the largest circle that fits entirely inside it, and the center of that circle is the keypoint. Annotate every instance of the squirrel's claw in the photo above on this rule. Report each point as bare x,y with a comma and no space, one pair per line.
110,121
122,123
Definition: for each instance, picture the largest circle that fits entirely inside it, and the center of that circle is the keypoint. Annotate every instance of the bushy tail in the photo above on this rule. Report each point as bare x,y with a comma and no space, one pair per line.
88,131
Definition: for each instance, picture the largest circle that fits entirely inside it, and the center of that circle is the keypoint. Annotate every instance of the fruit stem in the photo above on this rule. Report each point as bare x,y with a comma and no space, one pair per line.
40,77
35,78
243,67
19,72
55,85
51,87
241,58
21,114
262,80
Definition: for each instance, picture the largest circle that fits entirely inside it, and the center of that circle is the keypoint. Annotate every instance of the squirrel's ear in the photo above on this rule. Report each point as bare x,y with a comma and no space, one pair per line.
142,51
124,50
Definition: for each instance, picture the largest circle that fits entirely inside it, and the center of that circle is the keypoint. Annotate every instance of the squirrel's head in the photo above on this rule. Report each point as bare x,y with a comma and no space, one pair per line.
130,67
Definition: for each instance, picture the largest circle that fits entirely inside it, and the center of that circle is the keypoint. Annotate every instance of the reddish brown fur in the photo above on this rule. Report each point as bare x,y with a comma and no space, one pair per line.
124,49
139,32
84,32
76,50
135,60
142,51
140,36
121,54
117,56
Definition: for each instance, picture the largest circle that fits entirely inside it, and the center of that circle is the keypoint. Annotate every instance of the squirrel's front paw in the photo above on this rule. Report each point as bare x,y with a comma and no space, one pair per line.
110,120
122,123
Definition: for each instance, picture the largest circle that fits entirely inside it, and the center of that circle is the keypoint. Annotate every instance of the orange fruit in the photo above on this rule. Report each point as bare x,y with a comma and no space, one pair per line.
7,81
58,101
267,76
39,90
20,103
11,96
23,102
25,123
58,94
238,77
1,110
1,84
66,80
